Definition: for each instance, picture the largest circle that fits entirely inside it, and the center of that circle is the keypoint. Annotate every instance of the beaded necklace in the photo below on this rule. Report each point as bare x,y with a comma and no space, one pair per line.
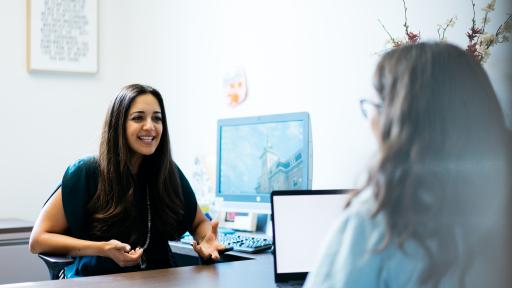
142,261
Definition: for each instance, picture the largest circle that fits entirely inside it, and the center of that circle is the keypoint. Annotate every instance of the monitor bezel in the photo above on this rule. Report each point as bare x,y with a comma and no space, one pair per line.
262,119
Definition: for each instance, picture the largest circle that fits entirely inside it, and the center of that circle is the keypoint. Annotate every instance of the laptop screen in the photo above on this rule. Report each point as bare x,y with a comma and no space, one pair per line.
301,221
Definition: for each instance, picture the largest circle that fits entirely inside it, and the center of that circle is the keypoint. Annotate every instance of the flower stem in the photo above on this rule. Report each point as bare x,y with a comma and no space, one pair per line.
389,34
485,22
405,23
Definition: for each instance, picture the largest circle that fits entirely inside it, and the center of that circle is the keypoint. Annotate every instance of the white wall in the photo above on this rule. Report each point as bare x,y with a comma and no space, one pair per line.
316,56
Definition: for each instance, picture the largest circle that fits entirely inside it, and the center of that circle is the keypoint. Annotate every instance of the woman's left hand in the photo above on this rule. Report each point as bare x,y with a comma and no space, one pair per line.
209,247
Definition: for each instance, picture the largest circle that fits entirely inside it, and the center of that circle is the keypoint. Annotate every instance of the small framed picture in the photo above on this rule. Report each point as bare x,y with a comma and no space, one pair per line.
62,35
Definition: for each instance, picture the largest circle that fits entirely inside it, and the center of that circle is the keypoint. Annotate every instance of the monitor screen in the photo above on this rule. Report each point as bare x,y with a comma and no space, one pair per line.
256,155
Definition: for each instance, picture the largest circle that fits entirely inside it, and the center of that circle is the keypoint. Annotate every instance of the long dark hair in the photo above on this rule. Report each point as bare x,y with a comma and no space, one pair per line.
439,173
111,207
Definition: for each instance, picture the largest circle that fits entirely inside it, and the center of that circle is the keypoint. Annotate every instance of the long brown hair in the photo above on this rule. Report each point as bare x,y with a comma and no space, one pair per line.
439,174
111,207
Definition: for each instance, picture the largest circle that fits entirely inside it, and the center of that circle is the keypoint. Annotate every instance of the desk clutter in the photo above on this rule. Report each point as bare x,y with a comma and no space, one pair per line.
239,242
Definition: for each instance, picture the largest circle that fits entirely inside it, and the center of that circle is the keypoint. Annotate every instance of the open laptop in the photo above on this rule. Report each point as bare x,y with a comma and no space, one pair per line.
301,220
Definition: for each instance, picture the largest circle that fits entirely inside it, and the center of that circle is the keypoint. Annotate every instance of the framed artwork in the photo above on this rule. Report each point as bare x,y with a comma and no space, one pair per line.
62,35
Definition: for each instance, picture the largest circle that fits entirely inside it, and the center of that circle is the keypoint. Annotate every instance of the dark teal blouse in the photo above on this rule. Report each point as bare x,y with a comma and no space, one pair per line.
79,185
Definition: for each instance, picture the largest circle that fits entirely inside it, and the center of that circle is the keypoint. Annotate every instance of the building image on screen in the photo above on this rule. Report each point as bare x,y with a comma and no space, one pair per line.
259,158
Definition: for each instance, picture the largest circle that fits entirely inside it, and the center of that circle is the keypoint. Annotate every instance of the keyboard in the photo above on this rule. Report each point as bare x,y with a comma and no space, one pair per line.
239,242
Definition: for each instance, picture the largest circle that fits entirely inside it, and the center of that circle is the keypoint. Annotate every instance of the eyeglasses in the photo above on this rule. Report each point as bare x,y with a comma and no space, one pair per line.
369,107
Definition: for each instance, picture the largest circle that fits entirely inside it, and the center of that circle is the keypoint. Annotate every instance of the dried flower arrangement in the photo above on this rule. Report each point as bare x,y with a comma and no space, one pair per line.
480,41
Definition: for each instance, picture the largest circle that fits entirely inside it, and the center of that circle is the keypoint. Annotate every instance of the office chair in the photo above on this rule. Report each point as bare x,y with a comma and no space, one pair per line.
56,265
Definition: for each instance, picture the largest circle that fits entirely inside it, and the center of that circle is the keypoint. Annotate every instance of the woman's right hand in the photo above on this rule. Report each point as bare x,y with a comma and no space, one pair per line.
122,253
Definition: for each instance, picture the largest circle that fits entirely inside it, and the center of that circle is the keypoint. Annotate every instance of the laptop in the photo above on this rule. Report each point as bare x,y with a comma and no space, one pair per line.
301,220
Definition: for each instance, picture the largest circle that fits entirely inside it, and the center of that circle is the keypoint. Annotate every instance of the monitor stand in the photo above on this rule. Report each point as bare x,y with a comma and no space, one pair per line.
242,216
243,221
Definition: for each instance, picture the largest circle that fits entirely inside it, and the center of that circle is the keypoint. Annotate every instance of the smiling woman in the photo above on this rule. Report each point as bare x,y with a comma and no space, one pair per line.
144,127
117,212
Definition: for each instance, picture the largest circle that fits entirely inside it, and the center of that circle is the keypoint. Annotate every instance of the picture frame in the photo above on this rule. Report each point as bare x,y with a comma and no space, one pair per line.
62,36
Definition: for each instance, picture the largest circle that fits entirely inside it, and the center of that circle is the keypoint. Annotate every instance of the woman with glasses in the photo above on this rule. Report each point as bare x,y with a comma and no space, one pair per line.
116,212
432,211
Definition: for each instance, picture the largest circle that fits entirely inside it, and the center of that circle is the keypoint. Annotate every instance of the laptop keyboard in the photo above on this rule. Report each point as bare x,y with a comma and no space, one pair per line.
239,242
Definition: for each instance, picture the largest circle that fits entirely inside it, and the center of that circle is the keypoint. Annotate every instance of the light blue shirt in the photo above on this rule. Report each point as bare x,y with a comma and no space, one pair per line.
351,255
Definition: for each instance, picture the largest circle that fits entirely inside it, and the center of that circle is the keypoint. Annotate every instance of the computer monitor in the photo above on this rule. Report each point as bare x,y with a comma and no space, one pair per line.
256,155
